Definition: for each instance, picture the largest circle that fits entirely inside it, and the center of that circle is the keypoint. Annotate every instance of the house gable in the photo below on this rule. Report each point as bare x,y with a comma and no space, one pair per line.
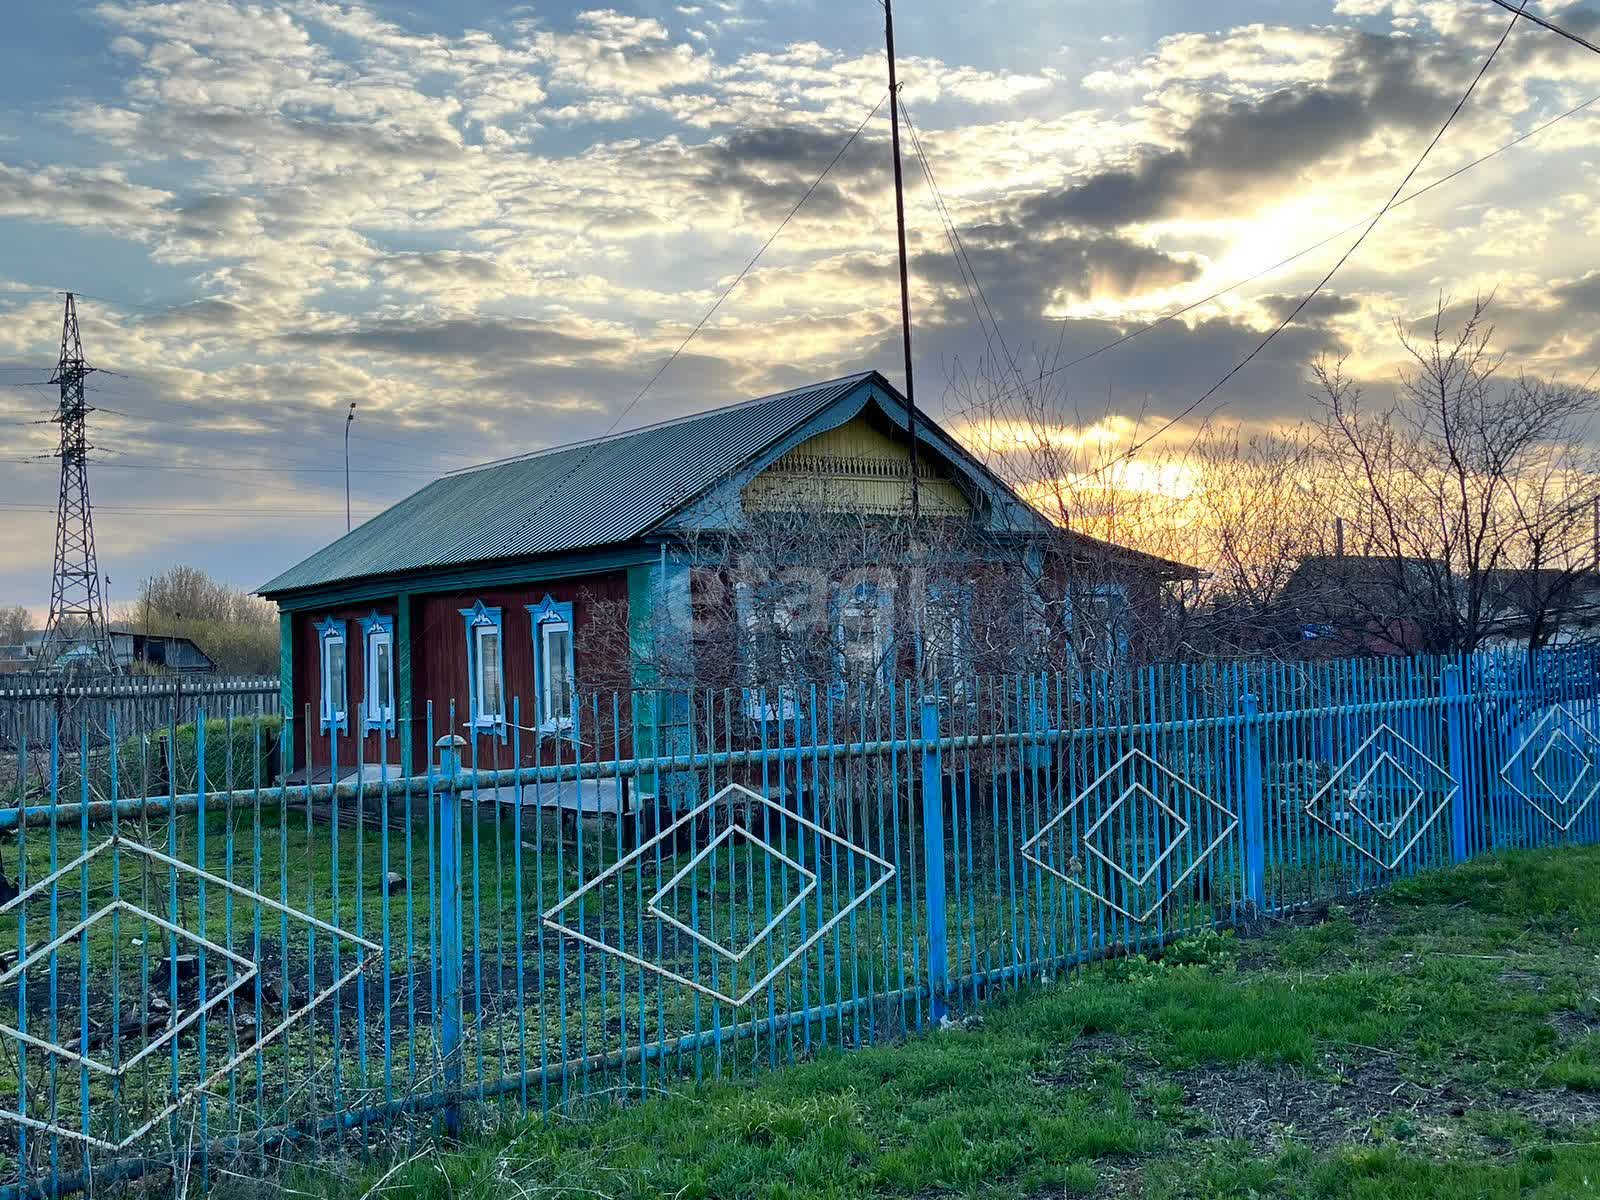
868,418
856,467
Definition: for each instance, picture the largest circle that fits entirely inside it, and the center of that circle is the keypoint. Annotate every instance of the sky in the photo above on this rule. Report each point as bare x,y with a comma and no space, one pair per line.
490,224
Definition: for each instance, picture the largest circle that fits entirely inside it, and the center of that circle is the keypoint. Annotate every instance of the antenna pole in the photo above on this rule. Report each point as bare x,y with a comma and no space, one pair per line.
900,226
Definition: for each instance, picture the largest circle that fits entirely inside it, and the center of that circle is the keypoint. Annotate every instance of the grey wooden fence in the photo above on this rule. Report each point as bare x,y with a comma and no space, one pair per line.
33,706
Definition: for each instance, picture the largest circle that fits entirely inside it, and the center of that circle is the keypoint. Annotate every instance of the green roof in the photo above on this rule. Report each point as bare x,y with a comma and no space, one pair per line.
596,493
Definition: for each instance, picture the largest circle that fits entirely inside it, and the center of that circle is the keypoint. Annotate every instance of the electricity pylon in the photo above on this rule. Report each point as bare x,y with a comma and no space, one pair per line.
76,638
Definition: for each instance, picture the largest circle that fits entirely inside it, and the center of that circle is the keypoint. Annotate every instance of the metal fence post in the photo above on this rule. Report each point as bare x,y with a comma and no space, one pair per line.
1255,806
933,854
1455,718
451,950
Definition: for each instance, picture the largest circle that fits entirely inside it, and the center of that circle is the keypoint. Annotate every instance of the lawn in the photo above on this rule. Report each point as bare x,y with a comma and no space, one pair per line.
1439,1040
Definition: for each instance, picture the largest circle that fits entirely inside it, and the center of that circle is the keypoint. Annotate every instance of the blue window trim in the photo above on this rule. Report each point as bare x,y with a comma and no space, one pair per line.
370,625
882,601
473,618
330,627
1117,629
550,609
960,596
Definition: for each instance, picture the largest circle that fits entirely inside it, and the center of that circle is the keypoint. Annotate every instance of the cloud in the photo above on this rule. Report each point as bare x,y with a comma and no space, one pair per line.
1581,294
1319,311
98,198
1238,152
481,340
463,226
615,52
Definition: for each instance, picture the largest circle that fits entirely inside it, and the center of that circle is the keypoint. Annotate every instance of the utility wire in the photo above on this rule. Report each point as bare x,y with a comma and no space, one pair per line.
118,464
700,324
1550,25
1173,315
1299,254
1138,445
144,510
958,250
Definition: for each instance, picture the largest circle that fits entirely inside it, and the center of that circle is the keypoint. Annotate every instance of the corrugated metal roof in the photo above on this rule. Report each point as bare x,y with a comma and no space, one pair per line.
610,489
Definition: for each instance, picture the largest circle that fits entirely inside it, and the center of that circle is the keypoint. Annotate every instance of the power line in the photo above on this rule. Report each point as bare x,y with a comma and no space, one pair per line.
1138,445
700,324
1174,314
748,267
1299,254
1550,25
148,465
145,510
958,248
209,403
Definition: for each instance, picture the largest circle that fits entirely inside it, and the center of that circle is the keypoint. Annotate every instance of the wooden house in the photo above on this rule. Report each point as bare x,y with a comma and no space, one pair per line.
501,594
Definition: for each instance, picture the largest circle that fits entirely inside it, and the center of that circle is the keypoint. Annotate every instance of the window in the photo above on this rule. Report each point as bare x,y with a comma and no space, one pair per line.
489,687
946,635
776,632
378,695
773,624
553,668
1100,620
486,667
865,629
555,653
335,709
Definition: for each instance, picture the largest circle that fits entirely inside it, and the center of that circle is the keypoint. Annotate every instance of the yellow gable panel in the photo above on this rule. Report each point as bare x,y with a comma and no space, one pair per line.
855,467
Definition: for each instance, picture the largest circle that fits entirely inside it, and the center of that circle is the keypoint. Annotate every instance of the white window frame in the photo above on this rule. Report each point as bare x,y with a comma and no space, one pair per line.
378,631
479,621
486,715
549,711
552,616
1114,635
331,640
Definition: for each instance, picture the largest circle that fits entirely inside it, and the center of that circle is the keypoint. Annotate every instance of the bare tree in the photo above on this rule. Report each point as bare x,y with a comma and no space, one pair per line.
1118,513
15,622
789,597
1468,500
237,630
1465,510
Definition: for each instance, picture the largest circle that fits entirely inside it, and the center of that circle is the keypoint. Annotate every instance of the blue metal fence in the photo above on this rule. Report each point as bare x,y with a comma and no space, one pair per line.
205,964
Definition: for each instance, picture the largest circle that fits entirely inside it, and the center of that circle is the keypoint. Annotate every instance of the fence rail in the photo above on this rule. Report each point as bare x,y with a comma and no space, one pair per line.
201,962
39,707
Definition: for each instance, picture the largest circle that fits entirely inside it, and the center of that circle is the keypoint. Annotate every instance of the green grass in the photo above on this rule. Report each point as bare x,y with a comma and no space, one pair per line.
1440,1041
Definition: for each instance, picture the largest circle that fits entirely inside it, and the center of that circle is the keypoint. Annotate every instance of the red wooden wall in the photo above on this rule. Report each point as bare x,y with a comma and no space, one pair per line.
600,660
308,690
439,670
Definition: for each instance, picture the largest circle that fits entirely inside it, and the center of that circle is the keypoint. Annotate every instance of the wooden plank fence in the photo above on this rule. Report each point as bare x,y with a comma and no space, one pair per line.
31,705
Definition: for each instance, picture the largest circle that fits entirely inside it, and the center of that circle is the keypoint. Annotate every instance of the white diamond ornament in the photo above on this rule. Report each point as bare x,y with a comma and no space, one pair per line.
558,917
1157,779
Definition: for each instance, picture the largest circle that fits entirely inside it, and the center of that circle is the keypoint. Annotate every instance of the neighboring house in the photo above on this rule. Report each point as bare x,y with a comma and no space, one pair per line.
606,565
159,652
1366,604
154,652
22,656
1336,605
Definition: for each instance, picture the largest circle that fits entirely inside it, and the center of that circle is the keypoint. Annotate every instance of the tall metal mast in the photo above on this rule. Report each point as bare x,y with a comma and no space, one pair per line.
900,224
76,636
